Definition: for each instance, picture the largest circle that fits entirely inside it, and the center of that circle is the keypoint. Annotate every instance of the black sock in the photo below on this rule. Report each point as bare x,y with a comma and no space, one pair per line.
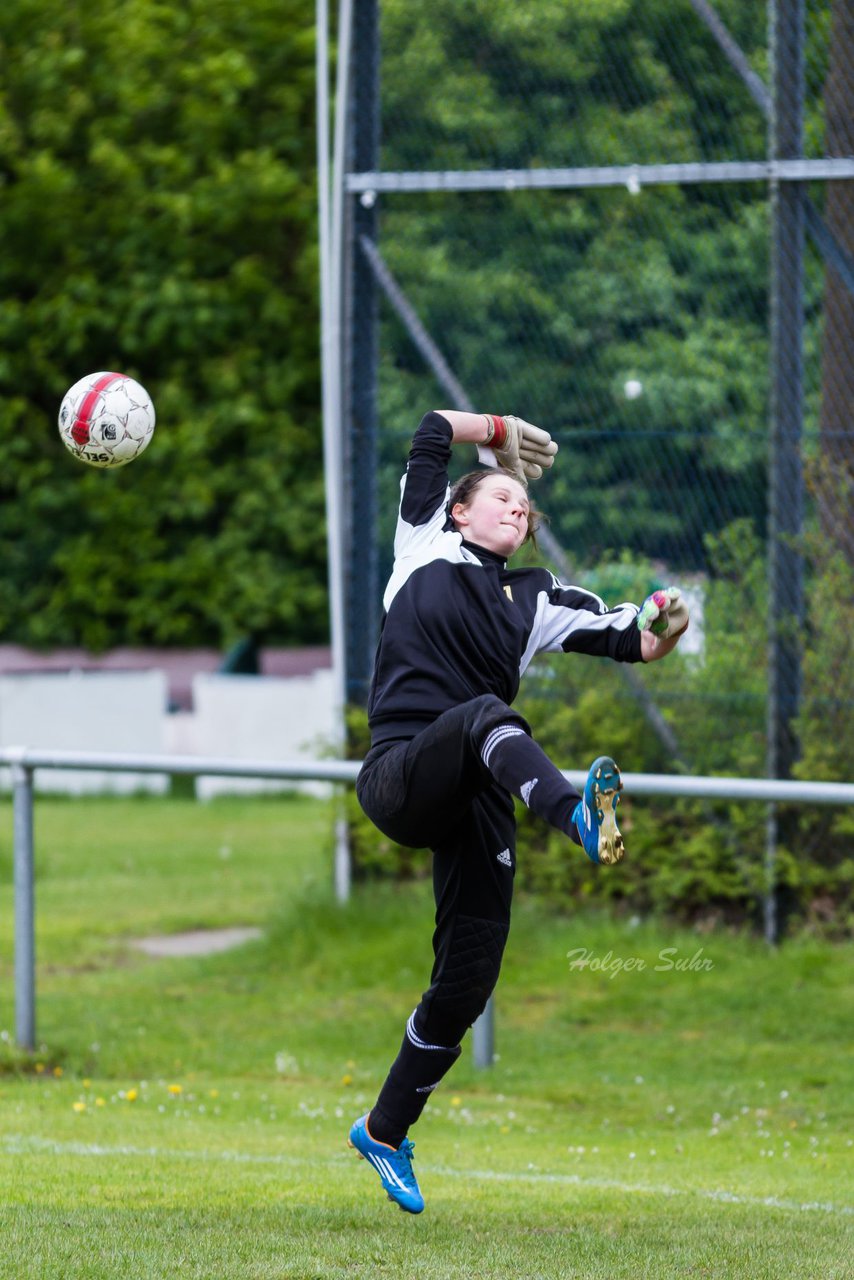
523,768
414,1074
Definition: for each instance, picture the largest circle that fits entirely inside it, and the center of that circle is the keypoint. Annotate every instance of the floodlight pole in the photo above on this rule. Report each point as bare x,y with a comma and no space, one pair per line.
785,469
25,914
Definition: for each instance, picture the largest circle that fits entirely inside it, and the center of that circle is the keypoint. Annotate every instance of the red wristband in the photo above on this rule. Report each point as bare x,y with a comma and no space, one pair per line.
499,437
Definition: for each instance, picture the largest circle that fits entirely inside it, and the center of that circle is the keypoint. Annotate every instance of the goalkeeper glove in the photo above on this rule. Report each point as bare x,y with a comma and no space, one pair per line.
664,613
520,447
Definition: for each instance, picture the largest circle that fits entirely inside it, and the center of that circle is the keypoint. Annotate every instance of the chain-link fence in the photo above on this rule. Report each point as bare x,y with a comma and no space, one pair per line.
632,223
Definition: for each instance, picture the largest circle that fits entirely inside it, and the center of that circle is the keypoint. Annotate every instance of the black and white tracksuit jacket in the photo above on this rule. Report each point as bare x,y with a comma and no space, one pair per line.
457,622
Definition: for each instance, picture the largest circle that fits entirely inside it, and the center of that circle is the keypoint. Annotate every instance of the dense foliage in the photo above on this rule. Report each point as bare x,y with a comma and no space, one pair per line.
158,217
549,303
157,169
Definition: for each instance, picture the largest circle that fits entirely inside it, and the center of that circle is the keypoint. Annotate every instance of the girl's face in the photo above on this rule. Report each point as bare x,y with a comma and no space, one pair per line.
495,516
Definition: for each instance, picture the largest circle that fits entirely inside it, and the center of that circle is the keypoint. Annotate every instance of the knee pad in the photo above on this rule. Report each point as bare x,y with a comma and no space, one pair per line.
467,979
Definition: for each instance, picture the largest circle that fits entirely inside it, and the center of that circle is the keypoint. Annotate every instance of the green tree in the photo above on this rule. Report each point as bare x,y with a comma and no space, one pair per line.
549,303
157,217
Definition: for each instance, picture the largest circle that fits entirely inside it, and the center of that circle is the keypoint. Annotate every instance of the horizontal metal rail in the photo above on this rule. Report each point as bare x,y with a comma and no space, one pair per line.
774,790
632,176
209,766
24,762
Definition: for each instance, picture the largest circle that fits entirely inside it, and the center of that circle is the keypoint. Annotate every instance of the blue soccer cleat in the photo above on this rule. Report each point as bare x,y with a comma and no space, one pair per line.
595,815
393,1165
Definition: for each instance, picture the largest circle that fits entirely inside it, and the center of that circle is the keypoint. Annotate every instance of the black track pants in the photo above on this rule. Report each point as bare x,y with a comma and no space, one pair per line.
435,790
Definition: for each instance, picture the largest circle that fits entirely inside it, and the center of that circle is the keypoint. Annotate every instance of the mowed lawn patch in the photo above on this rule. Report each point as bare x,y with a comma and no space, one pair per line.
664,1103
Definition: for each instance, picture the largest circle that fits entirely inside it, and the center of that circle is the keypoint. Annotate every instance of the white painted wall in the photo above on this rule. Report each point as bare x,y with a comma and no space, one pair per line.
260,718
239,717
86,711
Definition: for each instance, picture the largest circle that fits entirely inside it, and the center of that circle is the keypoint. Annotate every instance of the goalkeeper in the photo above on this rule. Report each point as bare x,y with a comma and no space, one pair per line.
448,753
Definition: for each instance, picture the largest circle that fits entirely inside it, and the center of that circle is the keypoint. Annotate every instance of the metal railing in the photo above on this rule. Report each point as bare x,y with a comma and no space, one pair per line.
23,762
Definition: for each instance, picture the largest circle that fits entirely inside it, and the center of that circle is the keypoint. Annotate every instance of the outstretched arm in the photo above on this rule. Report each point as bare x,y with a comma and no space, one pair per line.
663,620
655,647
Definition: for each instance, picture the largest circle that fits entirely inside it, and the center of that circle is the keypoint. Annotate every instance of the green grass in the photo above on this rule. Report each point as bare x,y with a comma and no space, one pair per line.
644,1121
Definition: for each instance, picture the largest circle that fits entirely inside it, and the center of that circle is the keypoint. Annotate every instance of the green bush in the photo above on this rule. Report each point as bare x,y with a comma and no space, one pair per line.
158,217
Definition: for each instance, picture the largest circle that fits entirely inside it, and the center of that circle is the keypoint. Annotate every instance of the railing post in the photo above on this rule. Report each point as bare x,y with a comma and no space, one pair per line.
343,862
483,1036
25,938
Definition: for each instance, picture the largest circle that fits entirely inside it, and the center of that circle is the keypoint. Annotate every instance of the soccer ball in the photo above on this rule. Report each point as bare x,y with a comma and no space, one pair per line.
106,419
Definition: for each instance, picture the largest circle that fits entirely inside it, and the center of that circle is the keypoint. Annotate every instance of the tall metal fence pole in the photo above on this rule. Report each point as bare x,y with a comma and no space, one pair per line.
785,470
360,340
25,915
330,214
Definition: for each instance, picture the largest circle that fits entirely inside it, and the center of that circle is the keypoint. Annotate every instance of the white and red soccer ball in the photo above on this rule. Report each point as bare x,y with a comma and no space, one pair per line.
106,419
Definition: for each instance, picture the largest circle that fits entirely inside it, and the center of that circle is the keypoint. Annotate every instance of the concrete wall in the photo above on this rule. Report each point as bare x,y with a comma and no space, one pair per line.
86,711
247,718
239,717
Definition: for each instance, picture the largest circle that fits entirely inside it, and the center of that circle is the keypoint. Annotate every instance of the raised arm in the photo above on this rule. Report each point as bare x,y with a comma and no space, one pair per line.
469,428
520,447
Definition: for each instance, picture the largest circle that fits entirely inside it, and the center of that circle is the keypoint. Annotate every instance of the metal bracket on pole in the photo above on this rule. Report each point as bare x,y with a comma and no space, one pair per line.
25,937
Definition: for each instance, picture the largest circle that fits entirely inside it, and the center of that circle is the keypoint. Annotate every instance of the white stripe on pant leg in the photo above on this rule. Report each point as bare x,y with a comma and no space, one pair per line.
497,736
414,1038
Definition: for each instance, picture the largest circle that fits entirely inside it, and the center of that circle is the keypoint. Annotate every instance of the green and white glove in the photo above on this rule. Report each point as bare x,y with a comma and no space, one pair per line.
520,448
664,613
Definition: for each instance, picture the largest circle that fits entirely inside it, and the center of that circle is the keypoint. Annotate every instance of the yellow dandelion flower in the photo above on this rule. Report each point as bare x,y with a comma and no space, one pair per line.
213,1093
456,1101
176,1089
87,1084
347,1078
57,1071
78,1106
132,1095
39,1068
100,1102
